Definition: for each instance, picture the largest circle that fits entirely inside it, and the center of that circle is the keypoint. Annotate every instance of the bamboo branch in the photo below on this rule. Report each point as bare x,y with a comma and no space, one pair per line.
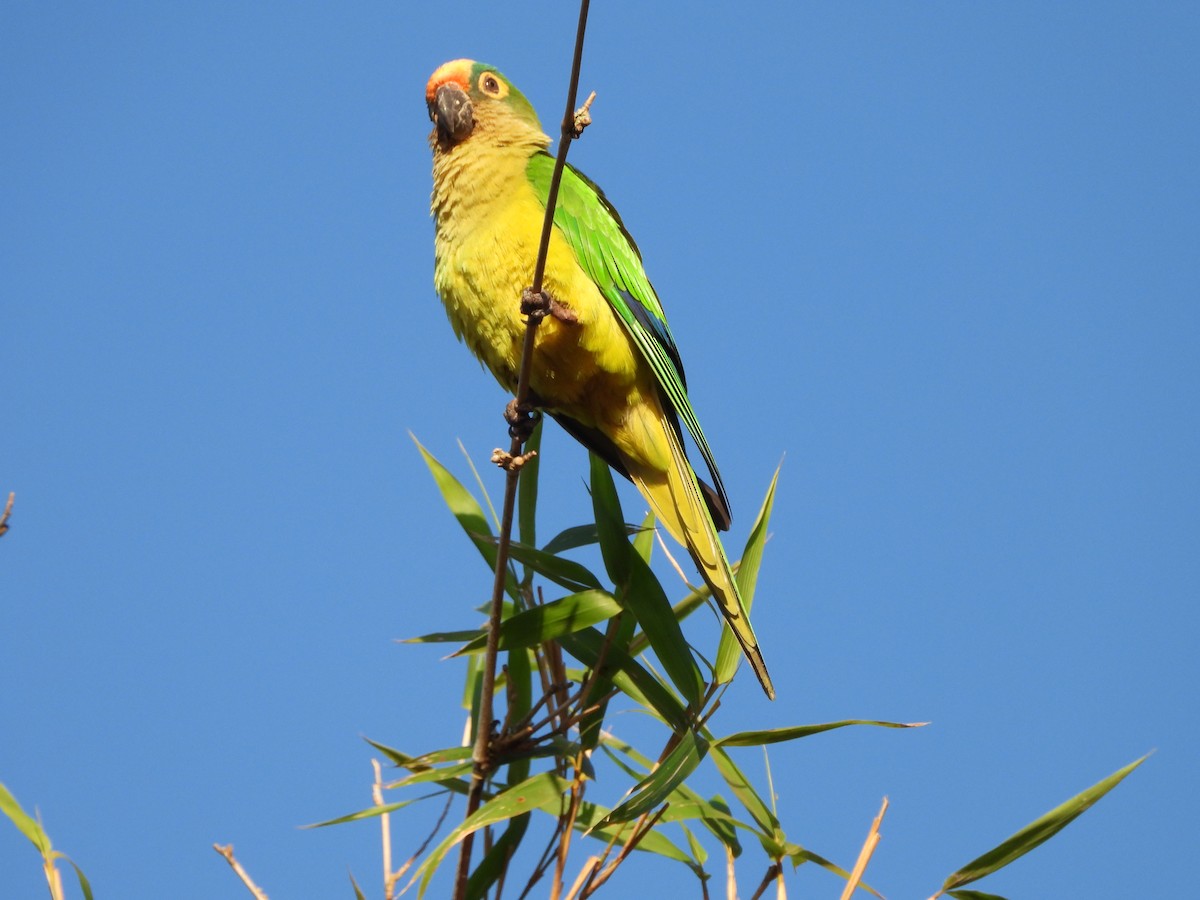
481,755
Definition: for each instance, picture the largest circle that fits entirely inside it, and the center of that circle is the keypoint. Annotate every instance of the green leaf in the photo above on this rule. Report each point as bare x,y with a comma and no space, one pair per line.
610,522
770,832
578,536
1036,832
84,885
798,855
527,488
495,861
25,823
643,540
588,819
550,621
683,759
588,646
778,735
369,813
540,791
443,637
466,510
358,894
729,652
564,572
974,895
591,726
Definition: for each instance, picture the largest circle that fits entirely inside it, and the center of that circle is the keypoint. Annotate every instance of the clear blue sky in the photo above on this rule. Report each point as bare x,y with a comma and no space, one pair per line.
941,255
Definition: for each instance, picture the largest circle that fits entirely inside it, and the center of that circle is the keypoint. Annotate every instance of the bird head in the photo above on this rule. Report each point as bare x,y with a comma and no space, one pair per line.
465,97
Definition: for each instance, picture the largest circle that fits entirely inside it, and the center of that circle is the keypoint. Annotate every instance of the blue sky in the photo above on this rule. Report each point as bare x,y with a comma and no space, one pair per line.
942,255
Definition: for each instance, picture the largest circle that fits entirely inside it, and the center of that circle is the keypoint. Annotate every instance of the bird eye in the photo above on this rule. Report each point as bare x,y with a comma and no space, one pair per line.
489,84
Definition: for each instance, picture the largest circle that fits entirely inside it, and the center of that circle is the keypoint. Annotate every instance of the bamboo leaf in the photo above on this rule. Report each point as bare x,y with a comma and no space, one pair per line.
527,488
654,841
466,510
25,823
588,646
610,522
1037,831
550,621
662,781
538,792
973,895
639,590
495,861
369,813
770,832
729,652
799,855
577,536
84,885
778,735
564,572
442,637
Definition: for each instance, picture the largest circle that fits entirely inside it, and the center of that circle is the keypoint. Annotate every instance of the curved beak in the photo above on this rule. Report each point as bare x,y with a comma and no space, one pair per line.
451,111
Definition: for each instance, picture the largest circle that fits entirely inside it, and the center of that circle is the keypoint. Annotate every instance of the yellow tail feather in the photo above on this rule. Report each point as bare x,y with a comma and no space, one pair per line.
674,496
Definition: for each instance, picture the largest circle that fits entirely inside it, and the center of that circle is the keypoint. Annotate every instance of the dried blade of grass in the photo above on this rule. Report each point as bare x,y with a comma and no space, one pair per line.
864,855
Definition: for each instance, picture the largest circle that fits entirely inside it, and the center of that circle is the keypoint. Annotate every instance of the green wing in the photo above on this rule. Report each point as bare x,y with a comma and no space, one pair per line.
608,254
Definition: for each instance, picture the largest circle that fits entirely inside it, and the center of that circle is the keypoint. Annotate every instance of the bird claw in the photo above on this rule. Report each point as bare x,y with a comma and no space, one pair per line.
521,419
536,305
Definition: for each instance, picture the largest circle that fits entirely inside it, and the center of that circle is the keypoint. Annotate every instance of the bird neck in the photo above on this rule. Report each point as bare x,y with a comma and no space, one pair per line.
472,178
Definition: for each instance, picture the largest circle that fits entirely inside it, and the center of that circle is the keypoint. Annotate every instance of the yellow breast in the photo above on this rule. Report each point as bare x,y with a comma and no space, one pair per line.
486,247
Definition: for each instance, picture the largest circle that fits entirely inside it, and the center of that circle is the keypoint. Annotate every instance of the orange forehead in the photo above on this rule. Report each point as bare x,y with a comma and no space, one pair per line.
457,70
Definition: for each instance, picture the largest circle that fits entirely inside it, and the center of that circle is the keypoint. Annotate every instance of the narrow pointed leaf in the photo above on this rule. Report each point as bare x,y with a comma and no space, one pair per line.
540,791
630,676
1037,832
588,819
527,488
639,590
778,735
973,895
647,600
564,572
729,652
759,811
84,886
550,621
443,637
610,522
799,855
25,823
495,861
660,783
466,510
369,813
578,536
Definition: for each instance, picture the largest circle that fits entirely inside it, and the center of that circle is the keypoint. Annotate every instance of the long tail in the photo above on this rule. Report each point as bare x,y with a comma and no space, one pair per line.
675,497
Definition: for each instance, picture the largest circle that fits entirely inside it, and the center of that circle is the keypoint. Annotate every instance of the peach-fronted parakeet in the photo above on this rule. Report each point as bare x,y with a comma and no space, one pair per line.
605,364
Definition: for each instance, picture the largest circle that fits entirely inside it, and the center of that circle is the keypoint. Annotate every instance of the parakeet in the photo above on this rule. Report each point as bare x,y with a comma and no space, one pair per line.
605,365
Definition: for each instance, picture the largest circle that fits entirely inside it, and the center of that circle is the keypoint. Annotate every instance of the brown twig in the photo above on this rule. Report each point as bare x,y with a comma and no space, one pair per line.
864,855
771,874
7,512
481,755
227,852
645,826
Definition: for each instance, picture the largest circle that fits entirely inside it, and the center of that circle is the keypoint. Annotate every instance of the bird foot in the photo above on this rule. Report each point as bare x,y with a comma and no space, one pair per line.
521,419
536,305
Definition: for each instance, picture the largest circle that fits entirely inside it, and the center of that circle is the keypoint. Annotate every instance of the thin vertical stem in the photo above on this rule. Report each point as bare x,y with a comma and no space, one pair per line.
481,756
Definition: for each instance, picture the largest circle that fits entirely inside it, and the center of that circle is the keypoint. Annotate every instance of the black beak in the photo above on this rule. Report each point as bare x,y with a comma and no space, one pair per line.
451,111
